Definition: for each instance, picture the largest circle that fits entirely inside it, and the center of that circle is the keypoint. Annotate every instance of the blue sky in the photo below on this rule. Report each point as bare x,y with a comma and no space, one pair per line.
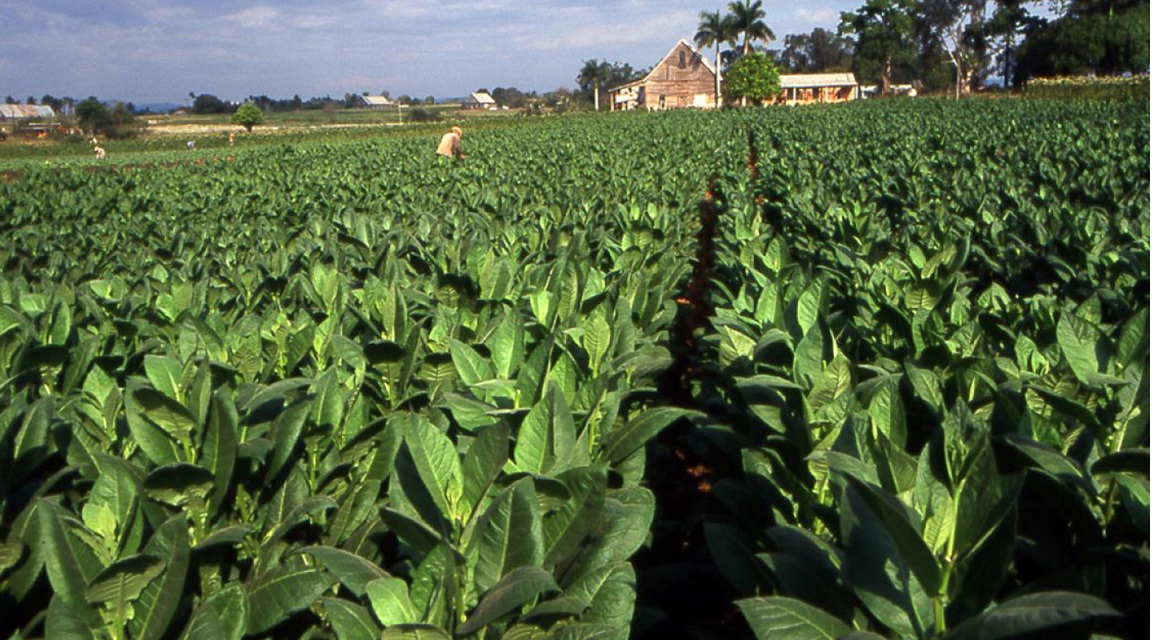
160,50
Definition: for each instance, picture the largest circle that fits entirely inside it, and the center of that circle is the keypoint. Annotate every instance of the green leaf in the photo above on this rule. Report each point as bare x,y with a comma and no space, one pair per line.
507,345
221,442
1081,342
121,582
566,528
788,619
175,484
30,447
390,602
889,566
610,594
285,437
352,570
70,561
350,621
1134,495
63,623
547,435
437,463
636,432
157,424
164,373
482,464
282,591
508,535
470,366
224,614
515,590
159,601
1037,614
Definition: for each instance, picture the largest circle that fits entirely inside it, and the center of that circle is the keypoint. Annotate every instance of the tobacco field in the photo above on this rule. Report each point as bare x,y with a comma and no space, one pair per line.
877,370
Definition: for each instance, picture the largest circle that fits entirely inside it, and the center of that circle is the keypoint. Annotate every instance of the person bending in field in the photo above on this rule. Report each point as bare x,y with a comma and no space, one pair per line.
450,145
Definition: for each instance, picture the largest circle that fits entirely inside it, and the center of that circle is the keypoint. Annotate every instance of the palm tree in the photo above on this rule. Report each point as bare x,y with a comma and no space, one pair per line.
748,19
592,73
713,31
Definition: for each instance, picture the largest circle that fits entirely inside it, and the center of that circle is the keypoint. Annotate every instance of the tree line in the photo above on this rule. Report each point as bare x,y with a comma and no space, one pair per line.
954,45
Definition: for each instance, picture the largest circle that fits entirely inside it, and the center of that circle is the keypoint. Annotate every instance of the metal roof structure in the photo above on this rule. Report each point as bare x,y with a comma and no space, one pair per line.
812,80
481,98
25,111
375,101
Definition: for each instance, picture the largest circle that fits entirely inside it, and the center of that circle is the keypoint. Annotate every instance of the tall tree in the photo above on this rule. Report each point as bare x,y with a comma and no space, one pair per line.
885,35
816,52
957,28
748,20
713,31
592,74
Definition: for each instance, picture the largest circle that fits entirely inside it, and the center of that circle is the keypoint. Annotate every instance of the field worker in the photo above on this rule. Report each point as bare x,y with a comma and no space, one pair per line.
231,139
450,144
99,151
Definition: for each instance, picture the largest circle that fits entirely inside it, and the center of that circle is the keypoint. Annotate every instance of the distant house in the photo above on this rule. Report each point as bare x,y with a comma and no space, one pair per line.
15,112
373,102
818,88
479,100
682,79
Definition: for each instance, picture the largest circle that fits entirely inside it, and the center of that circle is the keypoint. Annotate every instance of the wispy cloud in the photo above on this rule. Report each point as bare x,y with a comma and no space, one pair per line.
148,50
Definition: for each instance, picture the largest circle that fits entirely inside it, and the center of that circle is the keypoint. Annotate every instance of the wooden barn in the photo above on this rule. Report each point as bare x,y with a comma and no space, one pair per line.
683,79
818,88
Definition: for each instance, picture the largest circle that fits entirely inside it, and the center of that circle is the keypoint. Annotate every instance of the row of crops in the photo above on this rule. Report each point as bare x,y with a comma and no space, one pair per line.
898,385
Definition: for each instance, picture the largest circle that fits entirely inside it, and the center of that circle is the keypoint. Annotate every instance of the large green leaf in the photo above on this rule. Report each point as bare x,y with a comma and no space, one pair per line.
887,563
349,620
515,590
566,528
282,591
437,463
352,570
158,423
160,599
69,557
508,535
221,441
390,602
1037,614
547,435
122,582
482,464
470,365
1082,344
786,619
636,432
224,614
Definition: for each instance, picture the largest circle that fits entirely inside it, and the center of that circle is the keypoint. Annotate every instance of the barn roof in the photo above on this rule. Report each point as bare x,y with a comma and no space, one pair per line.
25,111
376,101
810,80
482,98
703,59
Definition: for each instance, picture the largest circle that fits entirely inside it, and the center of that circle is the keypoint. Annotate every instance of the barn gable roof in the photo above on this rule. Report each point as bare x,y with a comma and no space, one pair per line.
666,59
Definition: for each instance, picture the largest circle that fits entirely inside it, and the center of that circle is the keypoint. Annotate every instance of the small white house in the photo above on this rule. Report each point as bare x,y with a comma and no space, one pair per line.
479,100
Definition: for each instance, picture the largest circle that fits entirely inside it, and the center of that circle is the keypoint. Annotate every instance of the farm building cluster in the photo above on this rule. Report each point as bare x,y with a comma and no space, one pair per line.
35,119
684,78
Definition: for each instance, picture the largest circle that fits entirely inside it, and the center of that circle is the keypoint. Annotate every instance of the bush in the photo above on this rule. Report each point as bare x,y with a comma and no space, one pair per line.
423,115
